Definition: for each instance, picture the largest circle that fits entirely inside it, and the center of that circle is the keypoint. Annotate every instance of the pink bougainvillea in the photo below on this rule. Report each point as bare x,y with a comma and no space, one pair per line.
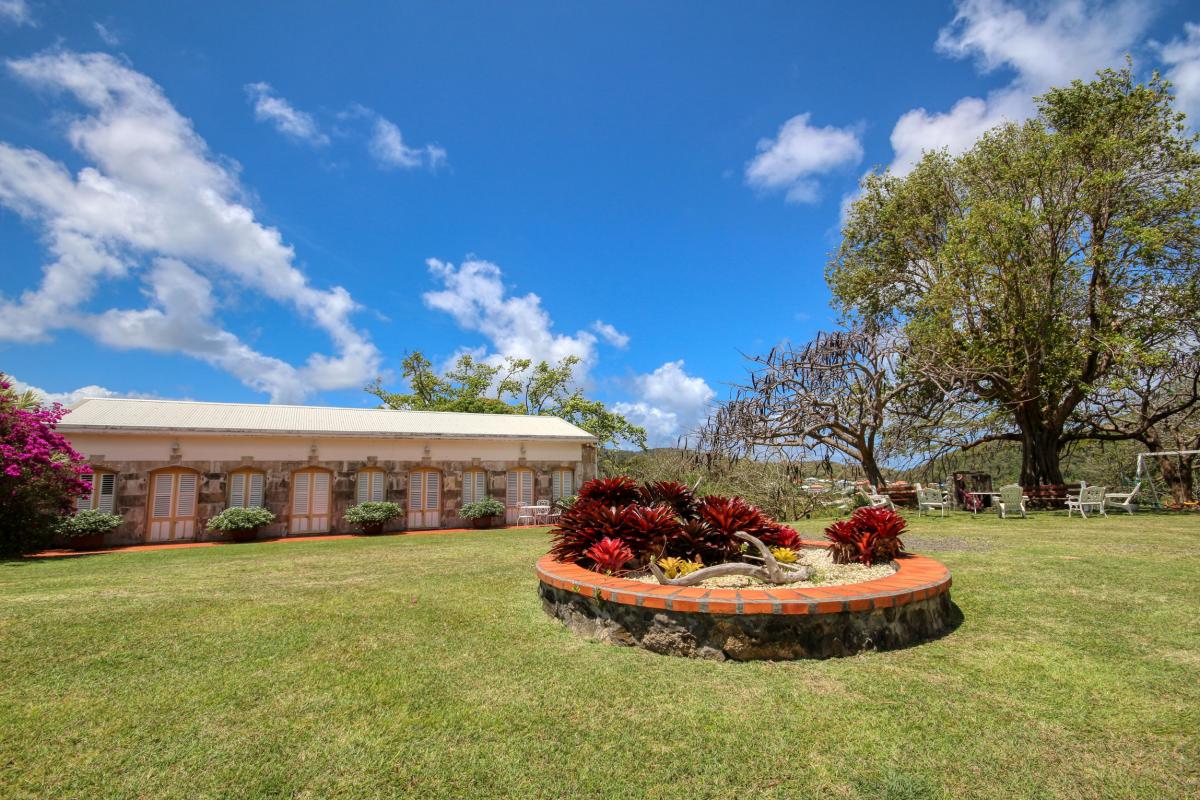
41,475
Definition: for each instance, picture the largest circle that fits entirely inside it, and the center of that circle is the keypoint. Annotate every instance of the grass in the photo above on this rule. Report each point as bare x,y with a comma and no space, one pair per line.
423,666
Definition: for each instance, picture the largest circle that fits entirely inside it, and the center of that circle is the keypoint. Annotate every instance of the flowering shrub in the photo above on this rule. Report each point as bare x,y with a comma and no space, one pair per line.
487,507
373,513
870,535
661,520
241,519
609,555
89,521
41,475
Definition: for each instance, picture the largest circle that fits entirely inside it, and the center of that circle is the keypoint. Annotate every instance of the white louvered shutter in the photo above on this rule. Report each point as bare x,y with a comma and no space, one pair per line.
162,495
185,503
513,491
363,490
474,486
377,486
320,502
237,490
84,501
255,495
106,493
300,493
432,490
415,495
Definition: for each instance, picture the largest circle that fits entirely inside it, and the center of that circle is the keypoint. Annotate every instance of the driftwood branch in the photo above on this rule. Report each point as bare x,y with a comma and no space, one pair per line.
770,572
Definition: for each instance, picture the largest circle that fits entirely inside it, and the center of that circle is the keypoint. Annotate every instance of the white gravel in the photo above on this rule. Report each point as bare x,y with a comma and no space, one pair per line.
825,573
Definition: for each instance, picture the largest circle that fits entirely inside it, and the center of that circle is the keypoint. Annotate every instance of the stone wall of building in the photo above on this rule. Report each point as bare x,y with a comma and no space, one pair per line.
134,480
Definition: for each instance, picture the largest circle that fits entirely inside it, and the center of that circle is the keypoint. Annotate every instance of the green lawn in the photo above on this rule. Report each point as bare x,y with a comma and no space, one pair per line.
423,666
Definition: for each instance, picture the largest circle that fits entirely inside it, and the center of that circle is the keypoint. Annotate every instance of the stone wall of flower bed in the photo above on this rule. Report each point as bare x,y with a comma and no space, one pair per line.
909,606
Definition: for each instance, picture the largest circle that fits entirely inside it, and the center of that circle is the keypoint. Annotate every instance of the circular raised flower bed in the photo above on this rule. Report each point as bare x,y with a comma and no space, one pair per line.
908,606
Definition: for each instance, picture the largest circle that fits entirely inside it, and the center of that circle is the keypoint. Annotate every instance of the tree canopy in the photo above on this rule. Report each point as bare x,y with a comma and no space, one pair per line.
1051,257
511,386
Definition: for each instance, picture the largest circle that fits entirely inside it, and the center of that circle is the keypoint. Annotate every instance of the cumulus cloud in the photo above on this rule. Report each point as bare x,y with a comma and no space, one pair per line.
792,160
1181,56
152,192
288,120
16,12
1049,46
70,398
670,403
474,294
610,334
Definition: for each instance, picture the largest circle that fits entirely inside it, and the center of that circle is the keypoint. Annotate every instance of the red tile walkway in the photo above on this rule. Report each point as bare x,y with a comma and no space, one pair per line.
141,548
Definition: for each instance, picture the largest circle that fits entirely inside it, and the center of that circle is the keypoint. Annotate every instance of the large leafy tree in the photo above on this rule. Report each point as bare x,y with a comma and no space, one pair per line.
1049,258
512,386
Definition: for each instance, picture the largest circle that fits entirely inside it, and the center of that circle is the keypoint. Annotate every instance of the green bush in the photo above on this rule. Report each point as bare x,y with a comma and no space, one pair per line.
371,513
487,507
90,521
241,519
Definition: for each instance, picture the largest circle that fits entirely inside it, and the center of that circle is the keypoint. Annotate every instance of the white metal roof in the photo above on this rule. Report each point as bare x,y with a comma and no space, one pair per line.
184,416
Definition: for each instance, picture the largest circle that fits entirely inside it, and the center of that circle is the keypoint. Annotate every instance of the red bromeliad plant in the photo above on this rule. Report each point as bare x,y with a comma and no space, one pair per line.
644,530
619,491
871,535
677,496
609,555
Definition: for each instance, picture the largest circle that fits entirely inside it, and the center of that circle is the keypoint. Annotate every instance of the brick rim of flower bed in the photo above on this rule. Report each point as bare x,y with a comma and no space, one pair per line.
916,578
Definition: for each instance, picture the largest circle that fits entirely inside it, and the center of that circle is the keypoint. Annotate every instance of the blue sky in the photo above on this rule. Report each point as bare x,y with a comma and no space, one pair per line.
231,201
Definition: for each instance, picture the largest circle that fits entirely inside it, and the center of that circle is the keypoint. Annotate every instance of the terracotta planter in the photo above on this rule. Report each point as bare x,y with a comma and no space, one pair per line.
90,541
483,522
372,528
244,535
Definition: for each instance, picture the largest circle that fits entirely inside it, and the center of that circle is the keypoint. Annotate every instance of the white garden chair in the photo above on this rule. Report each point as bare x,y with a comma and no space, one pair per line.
1125,500
877,500
1010,501
1091,498
929,499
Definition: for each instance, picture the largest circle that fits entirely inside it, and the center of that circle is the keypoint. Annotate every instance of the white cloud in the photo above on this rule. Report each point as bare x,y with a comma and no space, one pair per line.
72,397
611,335
1050,46
474,294
153,191
670,403
288,120
106,34
800,152
388,147
1182,59
16,12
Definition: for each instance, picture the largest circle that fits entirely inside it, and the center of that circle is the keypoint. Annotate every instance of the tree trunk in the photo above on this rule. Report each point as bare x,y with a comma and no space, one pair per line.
1177,473
871,469
1040,461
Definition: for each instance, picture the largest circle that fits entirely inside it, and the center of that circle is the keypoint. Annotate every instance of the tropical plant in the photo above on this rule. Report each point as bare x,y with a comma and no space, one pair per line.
609,555
487,507
90,521
870,536
373,513
41,475
618,491
675,567
785,555
238,518
696,539
674,495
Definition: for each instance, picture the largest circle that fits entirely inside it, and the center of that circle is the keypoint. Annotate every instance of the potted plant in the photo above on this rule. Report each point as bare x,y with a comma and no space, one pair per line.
242,523
482,513
85,529
371,517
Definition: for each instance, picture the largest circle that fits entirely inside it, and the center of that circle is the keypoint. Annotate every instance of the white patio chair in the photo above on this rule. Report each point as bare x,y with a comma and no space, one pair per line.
1125,500
543,511
1091,498
1010,501
526,516
929,499
878,500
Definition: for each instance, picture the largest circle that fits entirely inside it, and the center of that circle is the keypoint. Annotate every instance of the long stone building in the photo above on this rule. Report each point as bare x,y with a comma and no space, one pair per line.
168,466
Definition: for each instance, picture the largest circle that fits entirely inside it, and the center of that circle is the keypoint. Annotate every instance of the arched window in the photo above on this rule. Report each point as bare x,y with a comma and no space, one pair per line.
370,485
518,492
173,493
424,498
246,488
562,483
103,496
474,486
310,501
